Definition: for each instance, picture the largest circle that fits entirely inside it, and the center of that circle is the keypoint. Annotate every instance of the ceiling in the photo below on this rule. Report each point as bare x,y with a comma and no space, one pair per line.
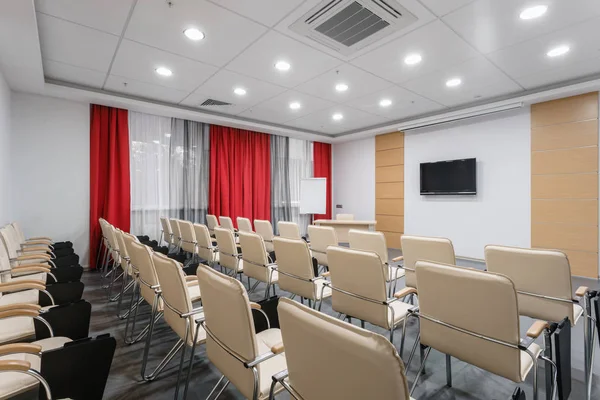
116,46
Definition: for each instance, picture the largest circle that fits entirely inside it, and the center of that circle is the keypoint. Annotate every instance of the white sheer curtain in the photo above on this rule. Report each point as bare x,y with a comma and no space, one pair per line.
301,166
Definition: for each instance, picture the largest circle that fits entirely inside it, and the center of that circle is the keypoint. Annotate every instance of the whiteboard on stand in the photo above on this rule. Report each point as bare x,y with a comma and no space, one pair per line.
313,196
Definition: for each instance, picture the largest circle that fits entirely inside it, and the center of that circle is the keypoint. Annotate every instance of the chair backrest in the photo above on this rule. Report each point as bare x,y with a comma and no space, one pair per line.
293,258
174,293
244,224
188,236
265,229
536,271
344,217
253,253
361,273
4,263
205,246
369,241
19,231
288,230
174,222
166,228
112,242
9,242
211,222
228,252
119,236
227,223
415,248
318,347
140,257
229,318
457,296
321,237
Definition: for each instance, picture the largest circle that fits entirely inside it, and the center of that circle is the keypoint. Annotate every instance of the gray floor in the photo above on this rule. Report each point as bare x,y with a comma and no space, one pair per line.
468,382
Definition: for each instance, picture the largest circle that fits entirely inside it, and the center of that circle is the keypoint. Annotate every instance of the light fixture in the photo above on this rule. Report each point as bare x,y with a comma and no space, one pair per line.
156,141
341,87
295,105
193,34
533,12
558,51
337,116
167,135
385,103
163,71
412,59
282,65
453,82
239,91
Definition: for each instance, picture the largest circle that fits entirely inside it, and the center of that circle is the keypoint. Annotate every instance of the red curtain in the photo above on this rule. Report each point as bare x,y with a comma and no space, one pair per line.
240,174
322,169
109,172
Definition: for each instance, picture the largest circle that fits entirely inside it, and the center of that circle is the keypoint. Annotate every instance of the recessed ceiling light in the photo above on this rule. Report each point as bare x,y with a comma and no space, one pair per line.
412,59
337,117
533,12
193,34
385,103
453,82
168,135
164,71
156,141
239,91
558,51
295,105
282,65
341,87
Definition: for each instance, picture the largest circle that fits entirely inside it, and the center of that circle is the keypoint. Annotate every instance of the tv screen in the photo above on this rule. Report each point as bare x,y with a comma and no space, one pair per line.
449,177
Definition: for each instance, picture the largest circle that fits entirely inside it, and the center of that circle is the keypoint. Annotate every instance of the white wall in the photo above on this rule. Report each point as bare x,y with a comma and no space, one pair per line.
5,197
500,213
354,178
50,163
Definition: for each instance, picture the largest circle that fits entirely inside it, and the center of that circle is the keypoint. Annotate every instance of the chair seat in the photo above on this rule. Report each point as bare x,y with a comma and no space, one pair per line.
577,313
526,361
266,340
29,276
319,285
17,328
194,291
25,296
400,311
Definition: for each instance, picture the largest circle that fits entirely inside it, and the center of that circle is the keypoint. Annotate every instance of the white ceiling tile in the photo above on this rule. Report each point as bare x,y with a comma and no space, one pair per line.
143,89
438,46
528,58
480,80
490,25
279,106
561,74
443,7
267,12
404,104
359,84
139,62
69,73
259,60
74,44
322,121
105,15
156,24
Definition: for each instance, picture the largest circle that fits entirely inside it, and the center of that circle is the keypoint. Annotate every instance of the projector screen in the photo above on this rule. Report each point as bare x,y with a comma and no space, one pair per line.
313,196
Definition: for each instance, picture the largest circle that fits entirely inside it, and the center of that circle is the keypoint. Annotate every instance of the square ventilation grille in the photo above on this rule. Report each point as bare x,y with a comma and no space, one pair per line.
349,25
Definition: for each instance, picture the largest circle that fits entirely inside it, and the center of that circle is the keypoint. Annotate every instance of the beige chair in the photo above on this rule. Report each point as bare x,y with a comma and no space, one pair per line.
321,237
241,355
257,264
359,289
189,243
265,230
244,224
24,247
542,279
375,242
115,253
296,273
227,223
165,233
128,279
482,333
39,271
330,359
344,217
212,222
229,256
288,230
176,234
206,249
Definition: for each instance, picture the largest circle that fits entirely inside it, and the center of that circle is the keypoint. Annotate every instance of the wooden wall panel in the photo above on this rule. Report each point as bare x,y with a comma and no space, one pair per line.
564,179
389,186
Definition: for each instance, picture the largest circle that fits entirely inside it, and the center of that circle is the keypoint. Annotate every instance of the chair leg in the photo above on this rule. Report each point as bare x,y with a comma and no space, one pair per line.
535,380
191,365
267,290
448,370
216,386
403,337
421,370
412,352
183,348
362,324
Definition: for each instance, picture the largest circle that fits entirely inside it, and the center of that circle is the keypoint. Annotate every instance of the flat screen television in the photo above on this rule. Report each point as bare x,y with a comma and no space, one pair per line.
456,177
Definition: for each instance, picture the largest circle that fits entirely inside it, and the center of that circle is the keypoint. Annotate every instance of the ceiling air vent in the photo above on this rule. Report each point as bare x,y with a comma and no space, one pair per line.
349,25
213,102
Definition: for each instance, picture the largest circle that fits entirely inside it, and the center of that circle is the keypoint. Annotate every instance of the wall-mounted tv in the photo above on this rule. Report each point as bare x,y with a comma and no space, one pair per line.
457,177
